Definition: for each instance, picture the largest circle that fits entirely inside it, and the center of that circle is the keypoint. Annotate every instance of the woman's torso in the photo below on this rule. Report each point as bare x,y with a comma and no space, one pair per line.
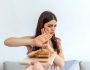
46,67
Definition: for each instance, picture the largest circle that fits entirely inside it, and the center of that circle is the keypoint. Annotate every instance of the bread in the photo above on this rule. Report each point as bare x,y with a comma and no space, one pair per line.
44,56
41,53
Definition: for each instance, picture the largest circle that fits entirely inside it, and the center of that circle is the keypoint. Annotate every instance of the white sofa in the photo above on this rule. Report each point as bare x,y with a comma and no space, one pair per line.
69,65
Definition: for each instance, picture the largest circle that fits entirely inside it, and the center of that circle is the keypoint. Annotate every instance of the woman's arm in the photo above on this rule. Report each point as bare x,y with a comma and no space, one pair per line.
22,41
31,41
59,59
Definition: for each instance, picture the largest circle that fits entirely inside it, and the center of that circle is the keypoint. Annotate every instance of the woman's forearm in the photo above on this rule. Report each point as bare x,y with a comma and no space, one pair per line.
59,58
17,42
59,61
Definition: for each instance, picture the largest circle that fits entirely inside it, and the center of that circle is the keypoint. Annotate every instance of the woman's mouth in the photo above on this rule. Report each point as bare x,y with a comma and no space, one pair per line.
52,33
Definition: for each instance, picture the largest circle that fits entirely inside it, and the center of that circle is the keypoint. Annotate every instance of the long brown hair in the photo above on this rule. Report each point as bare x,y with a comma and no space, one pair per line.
45,17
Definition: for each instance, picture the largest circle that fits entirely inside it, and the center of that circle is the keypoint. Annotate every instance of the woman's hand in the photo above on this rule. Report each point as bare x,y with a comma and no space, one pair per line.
42,40
47,46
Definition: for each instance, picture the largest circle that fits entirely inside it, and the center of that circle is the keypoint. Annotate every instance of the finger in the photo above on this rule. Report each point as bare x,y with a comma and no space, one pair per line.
44,37
42,31
50,35
45,46
46,31
47,37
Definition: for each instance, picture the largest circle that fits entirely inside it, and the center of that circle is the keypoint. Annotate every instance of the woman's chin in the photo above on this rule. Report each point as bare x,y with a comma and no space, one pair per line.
52,33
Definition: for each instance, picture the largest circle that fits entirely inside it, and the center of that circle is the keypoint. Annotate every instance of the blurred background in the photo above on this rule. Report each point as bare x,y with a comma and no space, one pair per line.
19,18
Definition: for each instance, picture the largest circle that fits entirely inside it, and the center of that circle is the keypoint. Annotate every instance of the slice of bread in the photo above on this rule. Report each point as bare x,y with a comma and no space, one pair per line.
41,53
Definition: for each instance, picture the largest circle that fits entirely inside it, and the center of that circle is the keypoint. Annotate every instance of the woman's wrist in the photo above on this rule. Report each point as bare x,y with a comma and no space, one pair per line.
31,43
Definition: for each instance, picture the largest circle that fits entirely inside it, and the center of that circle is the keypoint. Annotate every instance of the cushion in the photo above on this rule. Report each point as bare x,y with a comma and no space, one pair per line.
13,66
1,65
71,65
84,65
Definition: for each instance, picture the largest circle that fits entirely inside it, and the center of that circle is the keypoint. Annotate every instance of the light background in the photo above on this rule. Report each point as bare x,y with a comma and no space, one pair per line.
19,18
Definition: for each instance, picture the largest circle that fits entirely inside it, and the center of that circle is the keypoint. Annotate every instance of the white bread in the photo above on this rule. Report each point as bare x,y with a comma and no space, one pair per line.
44,61
41,53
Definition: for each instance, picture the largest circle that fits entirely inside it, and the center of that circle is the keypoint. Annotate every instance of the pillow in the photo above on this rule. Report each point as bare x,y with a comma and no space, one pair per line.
84,65
1,65
71,65
13,66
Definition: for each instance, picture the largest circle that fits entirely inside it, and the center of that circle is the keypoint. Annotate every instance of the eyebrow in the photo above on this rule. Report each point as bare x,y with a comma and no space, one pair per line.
52,24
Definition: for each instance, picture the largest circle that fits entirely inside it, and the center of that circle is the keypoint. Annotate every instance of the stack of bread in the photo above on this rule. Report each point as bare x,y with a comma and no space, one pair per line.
42,55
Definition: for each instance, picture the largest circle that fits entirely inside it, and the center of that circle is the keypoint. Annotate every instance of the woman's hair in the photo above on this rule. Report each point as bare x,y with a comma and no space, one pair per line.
45,17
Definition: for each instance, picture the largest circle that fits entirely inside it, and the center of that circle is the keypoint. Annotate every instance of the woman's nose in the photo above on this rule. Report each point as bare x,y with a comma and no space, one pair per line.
53,28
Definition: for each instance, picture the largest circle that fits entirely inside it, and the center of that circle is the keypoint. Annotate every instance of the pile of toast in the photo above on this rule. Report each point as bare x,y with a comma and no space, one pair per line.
44,56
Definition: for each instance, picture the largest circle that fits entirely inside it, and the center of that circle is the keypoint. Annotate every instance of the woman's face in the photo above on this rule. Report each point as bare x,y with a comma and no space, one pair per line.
50,26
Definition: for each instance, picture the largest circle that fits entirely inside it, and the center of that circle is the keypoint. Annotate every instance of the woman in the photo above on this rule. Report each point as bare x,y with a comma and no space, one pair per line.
44,38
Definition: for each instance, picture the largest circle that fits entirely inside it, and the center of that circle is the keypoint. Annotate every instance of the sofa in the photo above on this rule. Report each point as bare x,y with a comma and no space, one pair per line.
69,65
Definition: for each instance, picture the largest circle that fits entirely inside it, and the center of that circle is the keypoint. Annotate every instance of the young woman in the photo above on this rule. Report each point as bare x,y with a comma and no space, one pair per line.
44,38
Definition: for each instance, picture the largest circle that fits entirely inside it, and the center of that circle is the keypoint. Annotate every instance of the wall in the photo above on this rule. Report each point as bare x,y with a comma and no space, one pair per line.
19,18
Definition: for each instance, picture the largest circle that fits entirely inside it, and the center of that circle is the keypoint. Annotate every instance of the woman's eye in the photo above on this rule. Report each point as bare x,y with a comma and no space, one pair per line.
52,25
49,26
55,25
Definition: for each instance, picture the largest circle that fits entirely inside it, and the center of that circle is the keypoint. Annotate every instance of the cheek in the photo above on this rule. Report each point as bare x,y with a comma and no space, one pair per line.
48,29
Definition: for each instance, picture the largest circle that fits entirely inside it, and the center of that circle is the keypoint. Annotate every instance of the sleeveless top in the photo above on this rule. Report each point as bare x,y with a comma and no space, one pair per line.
46,67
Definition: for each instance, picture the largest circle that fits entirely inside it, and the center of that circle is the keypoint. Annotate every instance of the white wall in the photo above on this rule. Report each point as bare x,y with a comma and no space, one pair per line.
19,18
